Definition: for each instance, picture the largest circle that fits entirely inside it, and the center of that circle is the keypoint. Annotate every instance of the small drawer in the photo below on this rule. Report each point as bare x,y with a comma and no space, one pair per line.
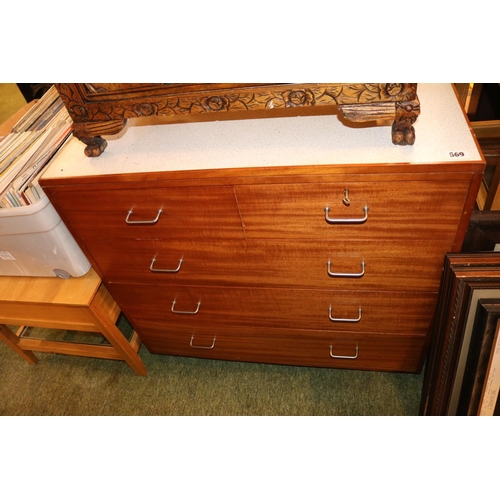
345,265
170,261
313,309
353,210
360,351
183,212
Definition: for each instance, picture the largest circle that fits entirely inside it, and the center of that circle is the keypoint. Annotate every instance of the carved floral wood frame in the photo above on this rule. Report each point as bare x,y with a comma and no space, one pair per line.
103,109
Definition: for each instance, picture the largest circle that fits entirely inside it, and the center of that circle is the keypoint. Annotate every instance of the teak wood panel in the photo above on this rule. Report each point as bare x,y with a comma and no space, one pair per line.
57,314
388,265
292,347
209,212
396,210
47,290
211,308
48,315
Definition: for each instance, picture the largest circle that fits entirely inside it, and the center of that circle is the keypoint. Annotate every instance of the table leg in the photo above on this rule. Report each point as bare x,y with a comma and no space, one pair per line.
116,338
8,336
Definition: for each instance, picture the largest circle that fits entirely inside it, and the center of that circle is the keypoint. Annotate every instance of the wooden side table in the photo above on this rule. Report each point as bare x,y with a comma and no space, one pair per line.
82,304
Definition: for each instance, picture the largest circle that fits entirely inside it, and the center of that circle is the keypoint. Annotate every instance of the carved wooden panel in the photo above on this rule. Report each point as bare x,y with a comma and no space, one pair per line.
103,108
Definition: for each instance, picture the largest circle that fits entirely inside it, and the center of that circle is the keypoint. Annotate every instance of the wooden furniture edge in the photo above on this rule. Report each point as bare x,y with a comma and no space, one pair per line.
102,313
265,173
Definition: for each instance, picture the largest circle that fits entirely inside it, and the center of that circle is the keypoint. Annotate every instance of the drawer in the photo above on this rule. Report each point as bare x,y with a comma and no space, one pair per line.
183,212
381,210
360,351
315,309
384,265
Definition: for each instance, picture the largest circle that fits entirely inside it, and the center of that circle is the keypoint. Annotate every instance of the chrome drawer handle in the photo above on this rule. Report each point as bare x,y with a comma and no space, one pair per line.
347,275
343,357
154,221
201,346
348,320
176,270
346,221
185,312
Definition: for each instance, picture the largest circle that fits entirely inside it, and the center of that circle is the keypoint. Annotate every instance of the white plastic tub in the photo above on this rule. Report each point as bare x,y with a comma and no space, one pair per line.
34,241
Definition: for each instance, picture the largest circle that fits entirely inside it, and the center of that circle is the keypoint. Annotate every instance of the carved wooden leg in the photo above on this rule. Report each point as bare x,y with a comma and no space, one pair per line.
403,133
90,134
94,145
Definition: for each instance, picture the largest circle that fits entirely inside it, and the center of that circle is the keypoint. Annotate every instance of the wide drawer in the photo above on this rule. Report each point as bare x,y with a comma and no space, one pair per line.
360,351
315,309
372,210
351,265
183,212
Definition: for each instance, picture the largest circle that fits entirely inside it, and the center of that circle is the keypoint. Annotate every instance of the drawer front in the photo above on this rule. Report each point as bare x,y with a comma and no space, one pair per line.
205,212
360,351
347,265
225,308
389,210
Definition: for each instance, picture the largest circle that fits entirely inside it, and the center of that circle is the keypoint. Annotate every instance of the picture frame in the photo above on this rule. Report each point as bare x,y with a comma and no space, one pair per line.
467,279
481,347
483,233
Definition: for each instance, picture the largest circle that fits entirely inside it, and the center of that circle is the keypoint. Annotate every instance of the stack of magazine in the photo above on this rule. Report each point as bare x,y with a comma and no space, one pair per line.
27,150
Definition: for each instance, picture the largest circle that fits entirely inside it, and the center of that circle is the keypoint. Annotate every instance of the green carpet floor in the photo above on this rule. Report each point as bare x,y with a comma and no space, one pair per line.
69,385
64,385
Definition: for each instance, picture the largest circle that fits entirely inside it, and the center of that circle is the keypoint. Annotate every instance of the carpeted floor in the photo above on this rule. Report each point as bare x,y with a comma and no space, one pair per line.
67,385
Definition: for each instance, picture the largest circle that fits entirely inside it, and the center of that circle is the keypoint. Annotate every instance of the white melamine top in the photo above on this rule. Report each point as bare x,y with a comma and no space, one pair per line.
441,129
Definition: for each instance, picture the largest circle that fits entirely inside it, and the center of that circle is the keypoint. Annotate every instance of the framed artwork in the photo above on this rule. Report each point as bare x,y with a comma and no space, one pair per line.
470,283
473,392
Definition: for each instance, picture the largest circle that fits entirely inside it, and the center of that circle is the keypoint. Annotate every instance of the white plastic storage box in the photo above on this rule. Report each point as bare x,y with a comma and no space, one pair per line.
34,241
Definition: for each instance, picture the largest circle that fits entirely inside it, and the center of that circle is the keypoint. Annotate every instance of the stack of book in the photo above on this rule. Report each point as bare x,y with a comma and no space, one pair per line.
28,148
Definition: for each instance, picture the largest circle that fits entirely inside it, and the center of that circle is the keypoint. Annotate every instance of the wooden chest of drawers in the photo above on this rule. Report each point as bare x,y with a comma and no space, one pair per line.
274,240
